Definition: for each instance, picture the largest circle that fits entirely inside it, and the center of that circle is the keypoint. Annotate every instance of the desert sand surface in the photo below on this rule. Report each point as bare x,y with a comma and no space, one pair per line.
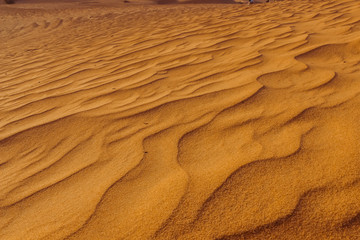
181,121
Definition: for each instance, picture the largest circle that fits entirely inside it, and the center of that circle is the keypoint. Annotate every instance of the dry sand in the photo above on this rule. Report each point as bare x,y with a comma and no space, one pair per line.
128,121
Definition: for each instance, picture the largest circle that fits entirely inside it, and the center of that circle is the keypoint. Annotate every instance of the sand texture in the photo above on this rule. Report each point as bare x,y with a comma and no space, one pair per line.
218,121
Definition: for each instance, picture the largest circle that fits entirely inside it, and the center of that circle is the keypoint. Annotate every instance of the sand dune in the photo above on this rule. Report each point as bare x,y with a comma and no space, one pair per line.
123,121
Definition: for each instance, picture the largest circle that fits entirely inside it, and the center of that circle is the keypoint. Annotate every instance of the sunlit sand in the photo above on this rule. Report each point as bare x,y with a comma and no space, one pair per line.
179,121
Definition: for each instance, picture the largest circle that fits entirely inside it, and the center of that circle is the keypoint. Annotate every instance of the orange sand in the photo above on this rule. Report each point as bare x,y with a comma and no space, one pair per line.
128,121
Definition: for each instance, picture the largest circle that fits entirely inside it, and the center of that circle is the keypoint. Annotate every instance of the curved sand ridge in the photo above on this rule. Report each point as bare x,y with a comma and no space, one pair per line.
181,122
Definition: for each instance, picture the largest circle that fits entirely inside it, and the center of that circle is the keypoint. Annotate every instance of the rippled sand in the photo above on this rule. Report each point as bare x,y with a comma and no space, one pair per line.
180,121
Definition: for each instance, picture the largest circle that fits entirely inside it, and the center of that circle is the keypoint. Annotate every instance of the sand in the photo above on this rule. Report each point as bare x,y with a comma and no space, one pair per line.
218,121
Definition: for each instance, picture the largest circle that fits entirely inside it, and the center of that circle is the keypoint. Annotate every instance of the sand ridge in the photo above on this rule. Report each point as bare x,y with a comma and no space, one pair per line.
180,122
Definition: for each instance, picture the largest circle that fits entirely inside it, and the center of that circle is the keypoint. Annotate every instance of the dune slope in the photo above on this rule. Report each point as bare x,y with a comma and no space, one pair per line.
180,122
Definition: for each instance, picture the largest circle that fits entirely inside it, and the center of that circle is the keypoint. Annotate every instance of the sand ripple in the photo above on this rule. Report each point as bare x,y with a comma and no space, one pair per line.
180,122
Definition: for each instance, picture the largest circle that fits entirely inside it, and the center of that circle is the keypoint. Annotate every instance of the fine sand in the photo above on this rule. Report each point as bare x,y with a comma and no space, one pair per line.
191,121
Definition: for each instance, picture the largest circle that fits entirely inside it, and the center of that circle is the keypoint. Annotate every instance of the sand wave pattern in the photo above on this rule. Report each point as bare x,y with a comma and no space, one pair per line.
180,122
